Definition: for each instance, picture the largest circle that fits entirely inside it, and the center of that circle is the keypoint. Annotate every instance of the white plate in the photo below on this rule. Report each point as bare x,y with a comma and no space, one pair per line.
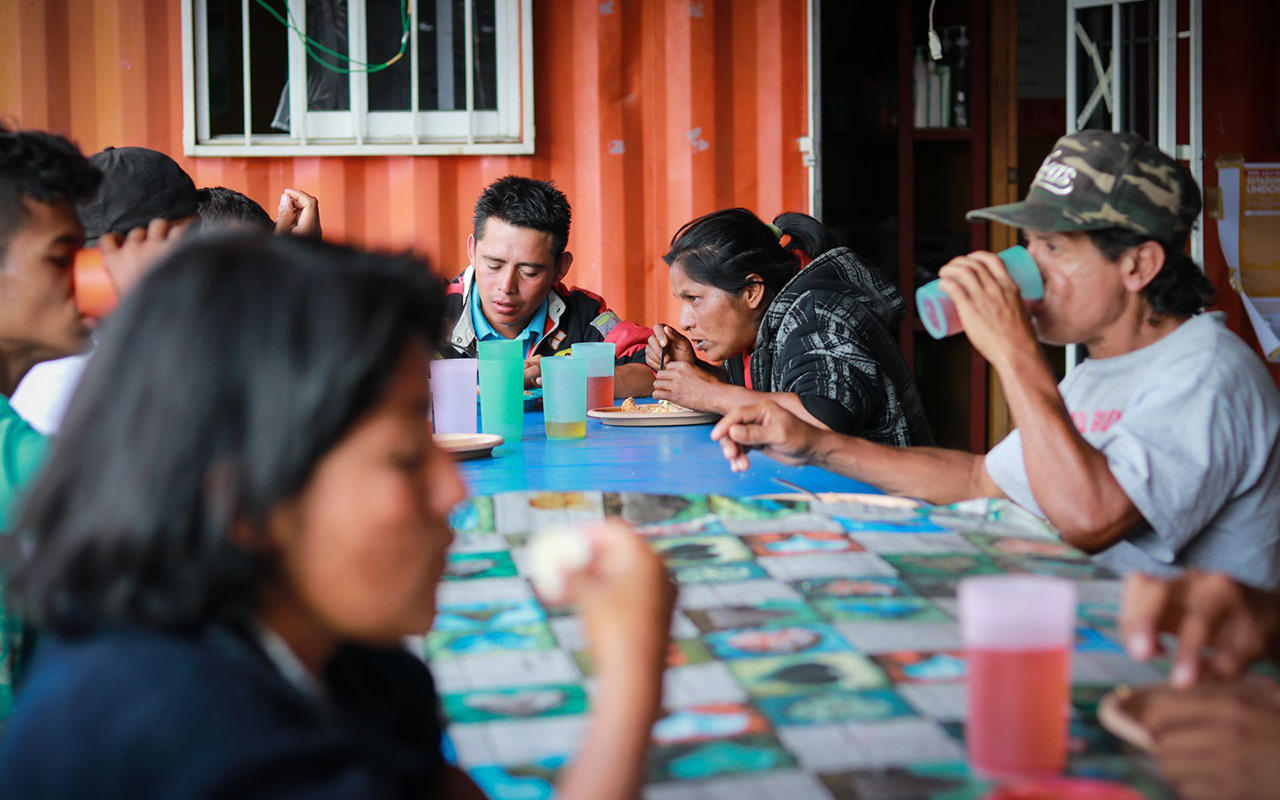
614,415
463,446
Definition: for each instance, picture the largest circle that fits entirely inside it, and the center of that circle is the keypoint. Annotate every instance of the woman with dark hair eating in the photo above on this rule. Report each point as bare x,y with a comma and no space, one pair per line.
789,315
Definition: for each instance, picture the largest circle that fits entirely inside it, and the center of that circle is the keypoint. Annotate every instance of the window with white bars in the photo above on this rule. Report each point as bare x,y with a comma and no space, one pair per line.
357,77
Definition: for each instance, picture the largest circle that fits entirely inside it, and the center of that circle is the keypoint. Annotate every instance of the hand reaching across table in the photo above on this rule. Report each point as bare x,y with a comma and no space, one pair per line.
769,428
1222,626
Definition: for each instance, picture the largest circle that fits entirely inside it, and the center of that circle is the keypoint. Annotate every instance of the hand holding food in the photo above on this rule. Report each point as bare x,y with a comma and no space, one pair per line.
532,372
554,554
622,591
689,385
667,346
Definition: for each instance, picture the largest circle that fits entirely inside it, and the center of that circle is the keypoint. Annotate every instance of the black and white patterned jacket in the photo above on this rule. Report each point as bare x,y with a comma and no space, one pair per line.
830,337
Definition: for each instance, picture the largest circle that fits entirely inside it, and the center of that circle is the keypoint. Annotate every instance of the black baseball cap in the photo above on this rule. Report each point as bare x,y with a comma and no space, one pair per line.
138,185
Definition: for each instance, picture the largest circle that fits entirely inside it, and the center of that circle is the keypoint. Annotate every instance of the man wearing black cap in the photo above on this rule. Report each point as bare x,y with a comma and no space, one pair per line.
138,186
1156,453
145,203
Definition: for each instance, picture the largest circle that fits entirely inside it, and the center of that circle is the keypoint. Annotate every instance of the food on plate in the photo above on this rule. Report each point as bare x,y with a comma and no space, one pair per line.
660,407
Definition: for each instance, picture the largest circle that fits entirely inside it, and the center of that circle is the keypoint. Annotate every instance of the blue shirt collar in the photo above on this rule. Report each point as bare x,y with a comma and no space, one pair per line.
486,333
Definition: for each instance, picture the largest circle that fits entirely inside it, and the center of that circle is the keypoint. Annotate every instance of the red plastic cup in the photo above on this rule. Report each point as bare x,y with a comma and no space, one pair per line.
95,292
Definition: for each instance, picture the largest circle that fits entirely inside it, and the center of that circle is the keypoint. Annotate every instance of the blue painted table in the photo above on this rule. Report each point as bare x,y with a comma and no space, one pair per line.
665,460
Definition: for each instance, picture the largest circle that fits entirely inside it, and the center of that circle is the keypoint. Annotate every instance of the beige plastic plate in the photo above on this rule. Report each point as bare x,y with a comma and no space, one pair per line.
463,446
614,415
1120,712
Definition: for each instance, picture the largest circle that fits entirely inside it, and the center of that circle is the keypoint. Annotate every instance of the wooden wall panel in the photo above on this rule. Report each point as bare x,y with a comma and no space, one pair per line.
648,113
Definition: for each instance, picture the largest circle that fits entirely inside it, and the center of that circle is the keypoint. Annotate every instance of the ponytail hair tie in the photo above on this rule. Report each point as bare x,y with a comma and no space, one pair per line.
777,232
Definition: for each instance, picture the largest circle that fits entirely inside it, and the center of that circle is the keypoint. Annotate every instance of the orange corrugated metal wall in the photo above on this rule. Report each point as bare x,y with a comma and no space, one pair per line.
648,112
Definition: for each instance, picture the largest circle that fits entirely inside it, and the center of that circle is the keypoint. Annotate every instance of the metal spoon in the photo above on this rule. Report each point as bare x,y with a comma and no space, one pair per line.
797,488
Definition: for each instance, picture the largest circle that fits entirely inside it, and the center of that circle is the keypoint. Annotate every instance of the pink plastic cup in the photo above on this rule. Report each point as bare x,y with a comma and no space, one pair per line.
1017,632
938,313
453,395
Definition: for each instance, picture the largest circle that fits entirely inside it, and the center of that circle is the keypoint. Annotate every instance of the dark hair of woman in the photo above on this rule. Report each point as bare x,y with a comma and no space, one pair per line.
1180,288
723,248
235,365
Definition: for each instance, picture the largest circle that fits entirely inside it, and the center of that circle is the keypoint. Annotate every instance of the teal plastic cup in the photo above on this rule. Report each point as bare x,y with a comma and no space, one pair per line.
938,313
501,380
600,357
564,396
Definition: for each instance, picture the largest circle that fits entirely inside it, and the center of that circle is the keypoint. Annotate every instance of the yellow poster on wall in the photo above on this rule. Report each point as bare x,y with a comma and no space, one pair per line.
1249,229
1260,229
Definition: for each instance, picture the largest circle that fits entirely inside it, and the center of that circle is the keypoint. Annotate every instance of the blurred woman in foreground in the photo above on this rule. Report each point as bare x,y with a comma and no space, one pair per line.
243,518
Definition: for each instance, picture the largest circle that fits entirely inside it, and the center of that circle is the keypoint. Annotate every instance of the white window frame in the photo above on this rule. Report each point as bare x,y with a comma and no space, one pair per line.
1167,93
359,132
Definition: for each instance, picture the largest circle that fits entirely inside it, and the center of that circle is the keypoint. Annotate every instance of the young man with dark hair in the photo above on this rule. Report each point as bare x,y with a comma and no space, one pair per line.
513,287
42,177
145,202
46,187
299,212
227,208
1157,453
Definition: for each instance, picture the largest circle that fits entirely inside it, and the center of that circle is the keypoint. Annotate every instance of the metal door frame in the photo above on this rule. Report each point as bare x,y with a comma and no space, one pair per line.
1167,101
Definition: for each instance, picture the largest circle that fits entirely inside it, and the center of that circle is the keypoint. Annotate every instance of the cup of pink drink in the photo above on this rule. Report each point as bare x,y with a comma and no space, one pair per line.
600,356
1017,632
938,312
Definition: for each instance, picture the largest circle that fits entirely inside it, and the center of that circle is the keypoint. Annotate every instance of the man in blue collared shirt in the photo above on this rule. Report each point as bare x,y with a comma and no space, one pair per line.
513,288
486,332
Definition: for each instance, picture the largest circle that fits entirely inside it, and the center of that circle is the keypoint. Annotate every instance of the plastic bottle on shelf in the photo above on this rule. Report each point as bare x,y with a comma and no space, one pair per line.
921,86
935,94
960,79
946,76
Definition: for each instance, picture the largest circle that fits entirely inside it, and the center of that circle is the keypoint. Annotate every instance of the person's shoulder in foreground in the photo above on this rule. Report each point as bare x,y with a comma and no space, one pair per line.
186,716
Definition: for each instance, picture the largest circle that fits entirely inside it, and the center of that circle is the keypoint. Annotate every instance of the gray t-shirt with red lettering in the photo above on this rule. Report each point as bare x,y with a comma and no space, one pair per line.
1189,426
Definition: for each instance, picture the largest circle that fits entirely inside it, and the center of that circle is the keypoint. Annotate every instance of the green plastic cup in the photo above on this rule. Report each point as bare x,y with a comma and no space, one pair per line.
564,396
501,381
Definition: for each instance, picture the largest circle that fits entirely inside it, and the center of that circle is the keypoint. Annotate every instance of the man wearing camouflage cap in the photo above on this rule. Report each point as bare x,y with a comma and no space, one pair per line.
1155,454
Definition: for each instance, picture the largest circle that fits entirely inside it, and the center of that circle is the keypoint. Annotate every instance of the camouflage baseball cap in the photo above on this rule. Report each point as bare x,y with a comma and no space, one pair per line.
1098,179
